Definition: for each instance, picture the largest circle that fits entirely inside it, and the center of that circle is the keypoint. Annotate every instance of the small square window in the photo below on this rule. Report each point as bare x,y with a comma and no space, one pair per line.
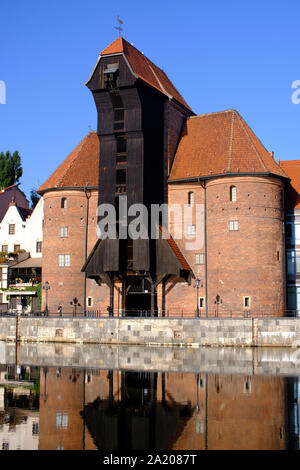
61,420
63,232
191,230
199,258
233,225
63,260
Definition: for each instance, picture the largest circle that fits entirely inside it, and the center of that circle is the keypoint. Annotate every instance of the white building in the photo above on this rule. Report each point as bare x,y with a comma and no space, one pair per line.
21,231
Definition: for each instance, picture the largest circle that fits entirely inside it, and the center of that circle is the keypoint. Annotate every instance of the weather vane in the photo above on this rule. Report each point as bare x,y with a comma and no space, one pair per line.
119,27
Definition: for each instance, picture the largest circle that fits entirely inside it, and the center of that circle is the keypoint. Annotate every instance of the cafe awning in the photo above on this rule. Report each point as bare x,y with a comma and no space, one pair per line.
20,292
28,263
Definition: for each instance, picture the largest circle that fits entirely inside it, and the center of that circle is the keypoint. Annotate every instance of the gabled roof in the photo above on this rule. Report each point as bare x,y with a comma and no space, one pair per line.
292,168
79,169
24,213
175,248
218,144
144,69
9,194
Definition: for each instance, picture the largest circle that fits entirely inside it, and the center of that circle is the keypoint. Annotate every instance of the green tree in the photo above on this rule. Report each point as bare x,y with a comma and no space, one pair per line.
34,197
10,168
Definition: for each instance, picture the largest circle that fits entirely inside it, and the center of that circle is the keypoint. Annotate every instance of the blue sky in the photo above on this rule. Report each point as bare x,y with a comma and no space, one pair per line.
220,55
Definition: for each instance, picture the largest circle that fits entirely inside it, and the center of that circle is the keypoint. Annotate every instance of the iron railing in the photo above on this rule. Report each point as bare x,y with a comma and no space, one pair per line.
4,312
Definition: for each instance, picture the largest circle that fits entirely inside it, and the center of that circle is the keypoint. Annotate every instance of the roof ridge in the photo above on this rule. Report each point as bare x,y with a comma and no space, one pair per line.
213,113
159,82
230,142
73,159
251,141
119,38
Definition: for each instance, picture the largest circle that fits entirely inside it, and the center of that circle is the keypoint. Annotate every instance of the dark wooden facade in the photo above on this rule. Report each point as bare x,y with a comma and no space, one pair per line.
135,157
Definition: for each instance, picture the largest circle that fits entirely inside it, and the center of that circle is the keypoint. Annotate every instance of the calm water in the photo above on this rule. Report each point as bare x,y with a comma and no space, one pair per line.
73,408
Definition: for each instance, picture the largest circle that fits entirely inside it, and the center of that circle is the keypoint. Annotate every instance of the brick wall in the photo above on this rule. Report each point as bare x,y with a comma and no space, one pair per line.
68,282
248,262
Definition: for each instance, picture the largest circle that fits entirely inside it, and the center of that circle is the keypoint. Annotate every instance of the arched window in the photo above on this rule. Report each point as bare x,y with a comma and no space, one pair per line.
191,198
63,203
233,193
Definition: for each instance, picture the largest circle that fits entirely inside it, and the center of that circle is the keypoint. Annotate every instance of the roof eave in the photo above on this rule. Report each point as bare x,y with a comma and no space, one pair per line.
194,179
65,188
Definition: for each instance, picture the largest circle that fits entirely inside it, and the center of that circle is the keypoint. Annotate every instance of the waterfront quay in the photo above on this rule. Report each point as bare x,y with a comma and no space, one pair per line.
192,332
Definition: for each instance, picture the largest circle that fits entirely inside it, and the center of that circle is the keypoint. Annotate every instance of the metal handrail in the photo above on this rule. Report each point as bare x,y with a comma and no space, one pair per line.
148,314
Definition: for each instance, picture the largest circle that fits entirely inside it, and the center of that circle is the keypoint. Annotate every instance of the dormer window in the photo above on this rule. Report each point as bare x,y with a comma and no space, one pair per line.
110,74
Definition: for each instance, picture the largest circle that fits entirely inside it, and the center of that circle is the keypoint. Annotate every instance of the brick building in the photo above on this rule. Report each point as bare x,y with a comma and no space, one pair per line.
292,230
70,203
230,256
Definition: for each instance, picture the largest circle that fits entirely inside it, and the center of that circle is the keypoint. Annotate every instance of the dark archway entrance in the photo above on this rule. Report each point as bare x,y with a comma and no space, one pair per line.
138,297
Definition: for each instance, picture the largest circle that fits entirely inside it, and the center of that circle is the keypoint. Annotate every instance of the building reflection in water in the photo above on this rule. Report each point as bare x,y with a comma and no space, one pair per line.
51,408
100,409
19,408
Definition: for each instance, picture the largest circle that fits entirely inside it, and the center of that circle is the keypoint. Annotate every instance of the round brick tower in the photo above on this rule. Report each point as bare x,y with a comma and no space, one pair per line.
241,266
70,205
245,245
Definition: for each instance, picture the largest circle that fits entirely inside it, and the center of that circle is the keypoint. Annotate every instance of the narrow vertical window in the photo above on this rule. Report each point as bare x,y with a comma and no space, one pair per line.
63,203
11,229
233,193
191,198
246,302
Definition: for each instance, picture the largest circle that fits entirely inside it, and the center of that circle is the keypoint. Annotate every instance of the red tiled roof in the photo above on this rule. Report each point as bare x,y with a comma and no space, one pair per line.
175,248
145,69
220,143
80,168
292,168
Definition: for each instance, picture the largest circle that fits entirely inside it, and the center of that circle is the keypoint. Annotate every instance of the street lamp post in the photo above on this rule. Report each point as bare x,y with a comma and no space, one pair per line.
197,285
75,304
46,286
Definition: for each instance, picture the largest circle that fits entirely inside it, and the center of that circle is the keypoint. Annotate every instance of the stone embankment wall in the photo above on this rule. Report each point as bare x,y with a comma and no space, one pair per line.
154,331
